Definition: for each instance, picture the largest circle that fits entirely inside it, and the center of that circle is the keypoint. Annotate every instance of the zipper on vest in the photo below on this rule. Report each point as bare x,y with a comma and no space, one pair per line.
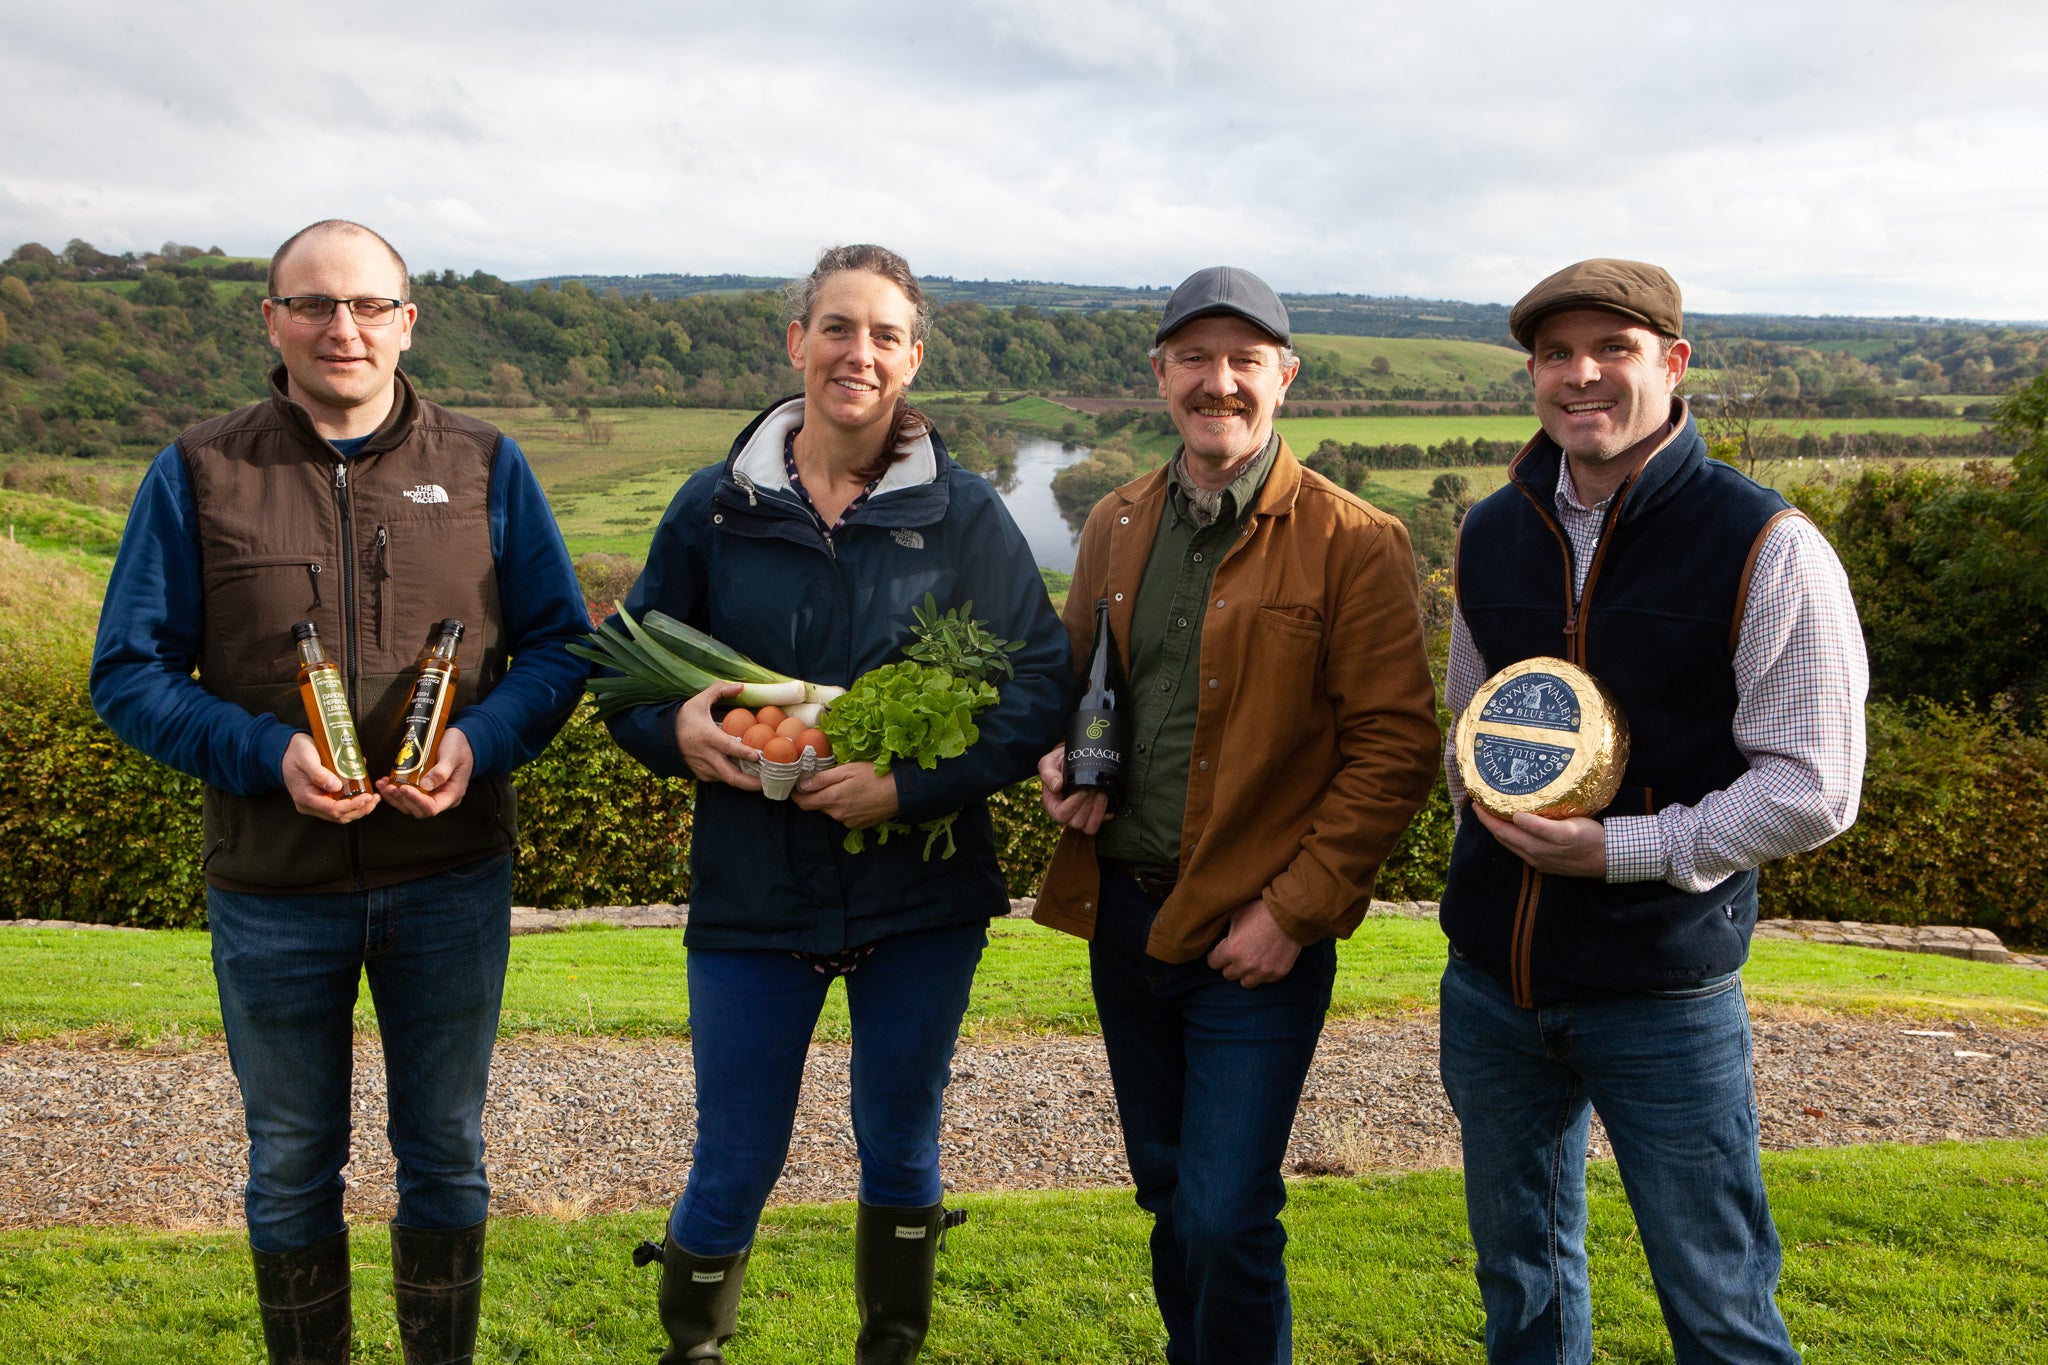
349,641
313,573
383,587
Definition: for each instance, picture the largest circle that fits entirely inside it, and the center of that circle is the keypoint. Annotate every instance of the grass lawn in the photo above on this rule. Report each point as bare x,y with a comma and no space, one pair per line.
1946,1267
144,987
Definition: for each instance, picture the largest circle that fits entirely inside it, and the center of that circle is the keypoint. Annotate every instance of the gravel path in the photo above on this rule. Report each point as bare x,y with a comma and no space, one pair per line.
92,1134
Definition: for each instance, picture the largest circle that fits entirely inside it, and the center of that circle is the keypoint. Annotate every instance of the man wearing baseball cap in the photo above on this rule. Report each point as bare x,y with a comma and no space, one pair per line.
1595,962
1282,735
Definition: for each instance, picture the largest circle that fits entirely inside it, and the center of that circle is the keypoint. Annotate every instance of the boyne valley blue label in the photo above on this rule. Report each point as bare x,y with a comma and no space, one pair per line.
1516,767
1538,699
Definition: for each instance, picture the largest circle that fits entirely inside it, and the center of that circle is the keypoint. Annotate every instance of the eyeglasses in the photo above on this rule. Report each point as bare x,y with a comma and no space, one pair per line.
318,308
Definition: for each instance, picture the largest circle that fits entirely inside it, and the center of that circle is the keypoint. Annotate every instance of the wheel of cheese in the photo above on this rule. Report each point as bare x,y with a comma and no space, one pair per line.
1542,736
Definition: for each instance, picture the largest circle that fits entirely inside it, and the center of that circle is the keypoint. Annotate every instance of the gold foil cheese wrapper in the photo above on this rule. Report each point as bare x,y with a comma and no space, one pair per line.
1542,736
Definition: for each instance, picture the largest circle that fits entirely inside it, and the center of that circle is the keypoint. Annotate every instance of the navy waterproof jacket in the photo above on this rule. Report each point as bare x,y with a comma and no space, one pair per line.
738,554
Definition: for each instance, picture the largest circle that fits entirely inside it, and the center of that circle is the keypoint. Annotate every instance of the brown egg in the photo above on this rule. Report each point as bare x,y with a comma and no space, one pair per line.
791,728
758,736
737,721
780,750
815,741
771,716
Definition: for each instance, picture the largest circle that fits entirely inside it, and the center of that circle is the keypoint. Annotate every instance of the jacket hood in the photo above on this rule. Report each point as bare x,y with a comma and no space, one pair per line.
757,453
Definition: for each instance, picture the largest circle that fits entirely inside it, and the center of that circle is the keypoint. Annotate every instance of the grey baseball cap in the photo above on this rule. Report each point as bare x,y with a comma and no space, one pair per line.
1225,289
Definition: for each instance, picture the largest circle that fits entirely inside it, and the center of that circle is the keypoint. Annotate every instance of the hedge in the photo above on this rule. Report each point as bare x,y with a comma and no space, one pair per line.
1951,830
90,830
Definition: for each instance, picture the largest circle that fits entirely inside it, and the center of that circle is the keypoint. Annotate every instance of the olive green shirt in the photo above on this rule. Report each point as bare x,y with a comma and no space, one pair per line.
1165,656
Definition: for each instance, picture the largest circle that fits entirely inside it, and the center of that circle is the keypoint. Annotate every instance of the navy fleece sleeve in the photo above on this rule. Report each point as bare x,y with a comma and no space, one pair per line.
544,613
1001,577
673,581
150,634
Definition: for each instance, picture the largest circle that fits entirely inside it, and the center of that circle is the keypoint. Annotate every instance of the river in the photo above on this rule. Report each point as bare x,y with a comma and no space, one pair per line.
1030,501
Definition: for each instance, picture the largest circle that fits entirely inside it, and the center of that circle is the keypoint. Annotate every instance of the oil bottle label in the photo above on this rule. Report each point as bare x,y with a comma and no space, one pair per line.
416,732
332,698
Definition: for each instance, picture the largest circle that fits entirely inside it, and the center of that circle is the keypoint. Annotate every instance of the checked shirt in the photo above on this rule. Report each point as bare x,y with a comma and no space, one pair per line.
1800,676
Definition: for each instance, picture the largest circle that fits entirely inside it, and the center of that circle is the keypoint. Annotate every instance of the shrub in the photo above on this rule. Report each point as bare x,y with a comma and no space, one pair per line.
596,828
1950,831
92,830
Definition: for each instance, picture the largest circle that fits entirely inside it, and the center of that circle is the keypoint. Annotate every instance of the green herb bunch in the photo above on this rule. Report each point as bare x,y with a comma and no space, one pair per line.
954,642
906,712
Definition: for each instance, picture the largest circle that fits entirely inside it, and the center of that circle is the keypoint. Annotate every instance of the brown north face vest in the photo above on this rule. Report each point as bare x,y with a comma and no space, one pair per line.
375,550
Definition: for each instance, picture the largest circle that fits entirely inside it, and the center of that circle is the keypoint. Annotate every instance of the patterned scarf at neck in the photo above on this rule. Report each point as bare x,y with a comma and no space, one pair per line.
1203,506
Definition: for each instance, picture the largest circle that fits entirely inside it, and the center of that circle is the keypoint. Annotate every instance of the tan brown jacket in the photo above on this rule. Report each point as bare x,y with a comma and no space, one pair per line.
1316,738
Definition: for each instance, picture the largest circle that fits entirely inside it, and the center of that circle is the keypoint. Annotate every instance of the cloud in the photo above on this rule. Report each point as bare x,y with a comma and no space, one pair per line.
1876,158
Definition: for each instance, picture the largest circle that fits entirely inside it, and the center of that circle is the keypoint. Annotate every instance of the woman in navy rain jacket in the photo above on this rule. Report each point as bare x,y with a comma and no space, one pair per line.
835,513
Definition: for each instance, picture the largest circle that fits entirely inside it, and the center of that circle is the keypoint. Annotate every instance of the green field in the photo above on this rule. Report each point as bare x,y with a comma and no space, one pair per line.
225,290
1306,433
610,482
142,988
1417,362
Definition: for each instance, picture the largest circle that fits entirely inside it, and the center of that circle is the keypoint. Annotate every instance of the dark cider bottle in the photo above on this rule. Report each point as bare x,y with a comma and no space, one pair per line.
1099,735
325,694
426,711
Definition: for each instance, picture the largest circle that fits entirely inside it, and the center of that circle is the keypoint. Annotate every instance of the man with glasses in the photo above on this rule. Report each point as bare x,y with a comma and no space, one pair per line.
347,500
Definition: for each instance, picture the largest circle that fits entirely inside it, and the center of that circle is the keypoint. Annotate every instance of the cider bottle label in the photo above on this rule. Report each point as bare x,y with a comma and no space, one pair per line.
330,695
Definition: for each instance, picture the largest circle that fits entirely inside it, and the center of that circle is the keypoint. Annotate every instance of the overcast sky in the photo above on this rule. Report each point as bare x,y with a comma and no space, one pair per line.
1871,158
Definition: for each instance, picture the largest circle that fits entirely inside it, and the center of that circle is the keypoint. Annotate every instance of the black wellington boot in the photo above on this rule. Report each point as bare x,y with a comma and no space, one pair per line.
437,1278
895,1255
302,1297
699,1302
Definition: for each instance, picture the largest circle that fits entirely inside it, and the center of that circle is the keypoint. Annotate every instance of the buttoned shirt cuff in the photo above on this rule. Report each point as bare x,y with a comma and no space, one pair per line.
1635,849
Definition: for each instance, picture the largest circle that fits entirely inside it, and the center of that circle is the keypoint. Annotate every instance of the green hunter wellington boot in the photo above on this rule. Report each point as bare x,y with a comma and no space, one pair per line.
437,1279
302,1297
895,1253
699,1302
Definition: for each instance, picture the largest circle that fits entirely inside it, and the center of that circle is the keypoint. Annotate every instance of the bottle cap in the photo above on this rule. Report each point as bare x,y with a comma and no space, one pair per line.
452,627
304,630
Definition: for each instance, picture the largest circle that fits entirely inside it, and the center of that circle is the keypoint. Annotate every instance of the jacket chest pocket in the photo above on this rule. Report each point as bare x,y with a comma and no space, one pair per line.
253,601
416,569
1282,673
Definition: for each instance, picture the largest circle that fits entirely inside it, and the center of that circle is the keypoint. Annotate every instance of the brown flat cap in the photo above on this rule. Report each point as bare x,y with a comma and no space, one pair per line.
1641,293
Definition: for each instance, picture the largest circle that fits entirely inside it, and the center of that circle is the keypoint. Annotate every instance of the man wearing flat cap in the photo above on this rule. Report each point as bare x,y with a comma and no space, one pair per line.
1595,962
1282,735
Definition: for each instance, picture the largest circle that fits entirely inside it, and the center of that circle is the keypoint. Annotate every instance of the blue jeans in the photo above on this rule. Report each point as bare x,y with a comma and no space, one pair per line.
1208,1075
1669,1074
287,966
751,1017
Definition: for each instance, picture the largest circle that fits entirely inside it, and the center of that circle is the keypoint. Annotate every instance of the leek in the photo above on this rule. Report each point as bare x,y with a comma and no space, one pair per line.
660,659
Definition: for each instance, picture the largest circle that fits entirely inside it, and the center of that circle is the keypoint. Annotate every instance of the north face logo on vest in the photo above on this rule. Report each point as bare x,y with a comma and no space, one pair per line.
907,538
427,492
